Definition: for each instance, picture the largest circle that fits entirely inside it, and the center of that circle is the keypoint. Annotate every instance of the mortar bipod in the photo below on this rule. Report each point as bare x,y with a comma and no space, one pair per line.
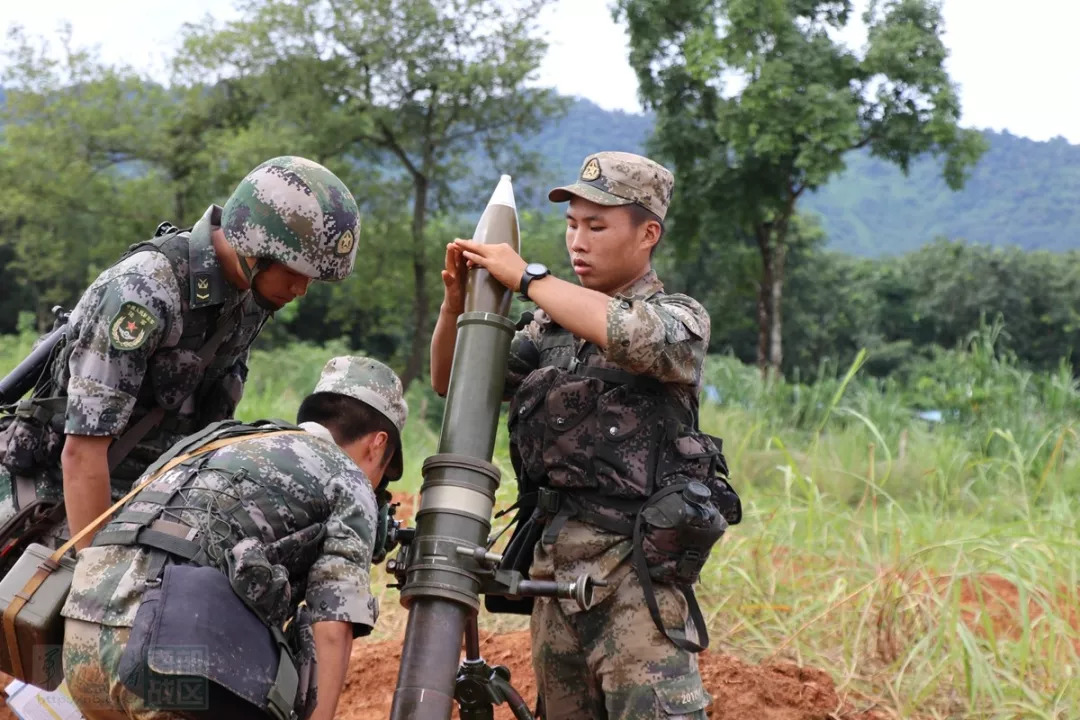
480,687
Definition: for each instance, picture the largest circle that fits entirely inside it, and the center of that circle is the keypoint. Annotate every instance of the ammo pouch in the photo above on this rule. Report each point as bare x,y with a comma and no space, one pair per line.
32,436
196,648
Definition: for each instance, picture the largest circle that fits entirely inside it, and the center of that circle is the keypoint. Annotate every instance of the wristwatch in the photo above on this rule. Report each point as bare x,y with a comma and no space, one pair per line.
533,271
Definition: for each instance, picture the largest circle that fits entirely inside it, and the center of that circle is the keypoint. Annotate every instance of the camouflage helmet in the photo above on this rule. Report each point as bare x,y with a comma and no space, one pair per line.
296,212
374,384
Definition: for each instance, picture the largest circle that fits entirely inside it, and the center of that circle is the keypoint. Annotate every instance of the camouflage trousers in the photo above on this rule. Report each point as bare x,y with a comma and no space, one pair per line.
612,663
91,658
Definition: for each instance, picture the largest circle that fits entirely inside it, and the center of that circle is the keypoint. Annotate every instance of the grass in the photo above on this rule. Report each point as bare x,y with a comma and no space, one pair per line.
930,567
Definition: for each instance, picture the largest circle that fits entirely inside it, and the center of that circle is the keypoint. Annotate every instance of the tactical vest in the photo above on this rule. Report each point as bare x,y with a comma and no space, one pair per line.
37,441
594,442
606,440
267,577
198,324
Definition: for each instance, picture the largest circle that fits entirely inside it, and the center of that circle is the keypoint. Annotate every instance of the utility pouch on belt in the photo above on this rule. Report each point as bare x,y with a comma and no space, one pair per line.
196,648
34,591
673,534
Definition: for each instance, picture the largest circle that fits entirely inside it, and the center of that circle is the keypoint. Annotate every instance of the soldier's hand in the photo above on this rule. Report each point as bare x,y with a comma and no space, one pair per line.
454,276
500,260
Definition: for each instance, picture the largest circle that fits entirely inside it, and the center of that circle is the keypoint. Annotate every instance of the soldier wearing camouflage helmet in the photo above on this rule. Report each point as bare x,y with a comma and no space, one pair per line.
157,347
245,522
615,479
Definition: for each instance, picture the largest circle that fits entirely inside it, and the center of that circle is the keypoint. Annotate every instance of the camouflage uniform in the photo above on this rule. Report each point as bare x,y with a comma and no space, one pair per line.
242,504
610,661
133,339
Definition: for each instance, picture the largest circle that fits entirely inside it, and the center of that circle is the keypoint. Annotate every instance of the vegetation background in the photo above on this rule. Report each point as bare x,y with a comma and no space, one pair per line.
908,465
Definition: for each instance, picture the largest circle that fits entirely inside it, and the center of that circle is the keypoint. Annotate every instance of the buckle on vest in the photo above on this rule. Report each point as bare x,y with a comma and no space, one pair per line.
548,501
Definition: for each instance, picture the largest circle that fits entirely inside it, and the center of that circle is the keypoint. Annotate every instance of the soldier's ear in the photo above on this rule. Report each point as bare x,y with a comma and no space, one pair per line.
381,448
651,234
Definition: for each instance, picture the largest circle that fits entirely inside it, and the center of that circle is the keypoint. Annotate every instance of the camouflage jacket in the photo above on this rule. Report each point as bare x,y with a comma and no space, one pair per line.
239,501
651,333
133,341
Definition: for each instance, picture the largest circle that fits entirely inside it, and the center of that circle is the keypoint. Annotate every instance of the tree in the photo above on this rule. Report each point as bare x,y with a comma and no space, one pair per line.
801,101
394,91
75,192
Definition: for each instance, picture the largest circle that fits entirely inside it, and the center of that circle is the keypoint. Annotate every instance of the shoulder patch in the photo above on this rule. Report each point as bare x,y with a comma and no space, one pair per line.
131,325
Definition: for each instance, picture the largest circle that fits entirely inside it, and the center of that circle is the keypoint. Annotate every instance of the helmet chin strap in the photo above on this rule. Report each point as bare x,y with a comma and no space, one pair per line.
250,272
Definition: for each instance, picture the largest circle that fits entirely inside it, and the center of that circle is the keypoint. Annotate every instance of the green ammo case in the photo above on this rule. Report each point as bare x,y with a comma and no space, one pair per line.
33,631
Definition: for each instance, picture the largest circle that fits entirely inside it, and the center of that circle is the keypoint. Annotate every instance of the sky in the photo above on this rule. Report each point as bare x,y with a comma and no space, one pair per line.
1016,64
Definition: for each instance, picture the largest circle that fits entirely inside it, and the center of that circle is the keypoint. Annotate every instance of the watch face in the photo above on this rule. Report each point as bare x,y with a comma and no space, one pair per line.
536,269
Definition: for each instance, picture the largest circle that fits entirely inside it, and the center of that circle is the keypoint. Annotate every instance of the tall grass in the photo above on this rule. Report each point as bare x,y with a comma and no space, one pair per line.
930,566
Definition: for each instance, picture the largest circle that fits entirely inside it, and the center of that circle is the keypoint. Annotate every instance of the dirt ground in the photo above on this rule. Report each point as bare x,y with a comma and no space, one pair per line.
781,691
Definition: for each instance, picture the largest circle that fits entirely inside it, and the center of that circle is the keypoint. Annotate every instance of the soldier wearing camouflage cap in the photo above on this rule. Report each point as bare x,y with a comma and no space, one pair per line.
603,384
281,514
157,347
376,385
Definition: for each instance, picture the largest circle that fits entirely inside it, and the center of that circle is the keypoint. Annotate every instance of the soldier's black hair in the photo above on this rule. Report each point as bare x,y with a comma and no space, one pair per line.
347,418
640,215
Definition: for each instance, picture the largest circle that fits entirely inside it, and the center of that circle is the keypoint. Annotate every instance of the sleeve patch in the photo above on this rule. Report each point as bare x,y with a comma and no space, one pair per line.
131,326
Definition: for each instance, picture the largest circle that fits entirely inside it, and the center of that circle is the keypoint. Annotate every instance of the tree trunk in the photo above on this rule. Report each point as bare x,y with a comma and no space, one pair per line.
178,209
776,355
764,302
421,334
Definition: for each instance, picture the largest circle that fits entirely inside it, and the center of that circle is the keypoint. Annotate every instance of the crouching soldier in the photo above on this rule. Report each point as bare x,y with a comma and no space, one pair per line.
233,583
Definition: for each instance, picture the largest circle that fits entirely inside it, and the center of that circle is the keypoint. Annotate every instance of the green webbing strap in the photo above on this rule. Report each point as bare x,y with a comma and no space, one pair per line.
186,549
226,428
281,698
158,497
560,506
41,409
139,517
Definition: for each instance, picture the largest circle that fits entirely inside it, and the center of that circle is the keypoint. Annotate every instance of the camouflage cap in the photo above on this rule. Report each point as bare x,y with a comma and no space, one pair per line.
619,178
375,384
296,212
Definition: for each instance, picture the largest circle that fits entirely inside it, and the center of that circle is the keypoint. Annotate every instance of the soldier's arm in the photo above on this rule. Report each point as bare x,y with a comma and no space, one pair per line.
85,464
129,320
444,337
339,581
339,586
524,356
578,309
333,641
443,341
665,339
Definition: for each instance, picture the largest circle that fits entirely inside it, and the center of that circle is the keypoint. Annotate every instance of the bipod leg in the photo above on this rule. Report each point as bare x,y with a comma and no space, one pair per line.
479,687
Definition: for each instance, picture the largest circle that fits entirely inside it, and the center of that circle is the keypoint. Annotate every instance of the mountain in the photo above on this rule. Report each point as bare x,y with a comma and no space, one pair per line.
1022,192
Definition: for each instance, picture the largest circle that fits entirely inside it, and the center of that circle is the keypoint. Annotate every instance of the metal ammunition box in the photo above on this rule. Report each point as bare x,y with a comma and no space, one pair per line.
39,627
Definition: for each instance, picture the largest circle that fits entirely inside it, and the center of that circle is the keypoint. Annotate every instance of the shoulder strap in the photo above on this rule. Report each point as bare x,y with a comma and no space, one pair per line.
52,563
131,437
